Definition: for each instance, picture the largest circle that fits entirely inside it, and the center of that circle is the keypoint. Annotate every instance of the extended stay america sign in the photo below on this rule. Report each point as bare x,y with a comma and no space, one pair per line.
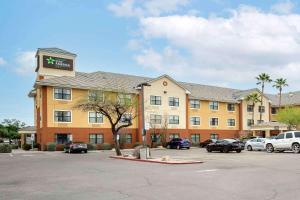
57,63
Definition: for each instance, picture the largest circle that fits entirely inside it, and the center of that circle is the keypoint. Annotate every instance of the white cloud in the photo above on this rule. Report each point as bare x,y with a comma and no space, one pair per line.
283,7
25,62
225,50
2,61
142,8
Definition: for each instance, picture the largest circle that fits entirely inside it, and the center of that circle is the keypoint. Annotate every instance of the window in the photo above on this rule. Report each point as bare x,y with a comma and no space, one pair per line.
62,93
261,109
288,135
173,119
250,122
214,121
195,120
126,118
173,135
124,99
155,119
260,121
96,95
250,108
214,136
128,138
231,107
297,134
195,138
231,122
96,138
194,103
173,101
213,105
280,136
95,117
155,100
274,111
62,138
62,116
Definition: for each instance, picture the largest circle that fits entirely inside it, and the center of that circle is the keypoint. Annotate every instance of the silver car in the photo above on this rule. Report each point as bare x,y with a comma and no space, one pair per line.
255,144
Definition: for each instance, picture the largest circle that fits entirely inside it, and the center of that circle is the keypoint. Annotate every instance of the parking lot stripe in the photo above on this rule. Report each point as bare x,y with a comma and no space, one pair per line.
206,170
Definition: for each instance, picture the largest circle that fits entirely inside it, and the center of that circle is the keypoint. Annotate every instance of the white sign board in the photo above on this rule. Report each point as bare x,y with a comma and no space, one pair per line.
32,137
147,126
71,137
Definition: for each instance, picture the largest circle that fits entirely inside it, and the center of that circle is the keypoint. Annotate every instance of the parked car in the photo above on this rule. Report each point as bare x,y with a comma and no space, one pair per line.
255,144
288,141
73,147
178,143
206,142
225,146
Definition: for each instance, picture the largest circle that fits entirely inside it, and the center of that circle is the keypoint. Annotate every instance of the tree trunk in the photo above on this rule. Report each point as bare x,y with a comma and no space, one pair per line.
261,101
280,91
117,145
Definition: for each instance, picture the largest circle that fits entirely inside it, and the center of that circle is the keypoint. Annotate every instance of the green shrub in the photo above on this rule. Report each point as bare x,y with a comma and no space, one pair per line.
14,146
5,148
51,146
137,144
91,147
106,146
26,147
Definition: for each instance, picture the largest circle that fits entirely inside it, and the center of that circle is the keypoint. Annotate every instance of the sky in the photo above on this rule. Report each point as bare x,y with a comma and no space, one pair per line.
214,42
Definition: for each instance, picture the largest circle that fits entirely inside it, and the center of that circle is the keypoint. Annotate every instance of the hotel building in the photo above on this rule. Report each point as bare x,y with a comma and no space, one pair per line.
188,110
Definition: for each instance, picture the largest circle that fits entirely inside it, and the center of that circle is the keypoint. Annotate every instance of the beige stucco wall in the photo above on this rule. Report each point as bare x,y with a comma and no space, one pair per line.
79,118
248,115
172,90
205,113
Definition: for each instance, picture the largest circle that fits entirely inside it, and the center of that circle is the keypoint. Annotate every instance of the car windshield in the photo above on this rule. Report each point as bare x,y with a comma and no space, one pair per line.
230,140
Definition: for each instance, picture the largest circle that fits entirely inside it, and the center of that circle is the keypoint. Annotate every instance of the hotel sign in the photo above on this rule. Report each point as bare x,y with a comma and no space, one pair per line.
57,63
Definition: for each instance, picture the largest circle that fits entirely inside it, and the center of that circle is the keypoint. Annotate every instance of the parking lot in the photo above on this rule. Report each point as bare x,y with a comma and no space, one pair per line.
55,175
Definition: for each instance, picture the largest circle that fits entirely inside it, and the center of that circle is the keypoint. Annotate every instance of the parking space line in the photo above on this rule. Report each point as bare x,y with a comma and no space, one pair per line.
206,170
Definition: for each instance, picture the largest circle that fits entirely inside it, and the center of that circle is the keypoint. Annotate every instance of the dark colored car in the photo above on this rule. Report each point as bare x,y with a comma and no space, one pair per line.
226,145
178,143
73,147
206,142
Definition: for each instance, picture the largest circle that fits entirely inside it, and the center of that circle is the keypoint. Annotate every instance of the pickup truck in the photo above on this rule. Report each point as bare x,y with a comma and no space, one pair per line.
288,141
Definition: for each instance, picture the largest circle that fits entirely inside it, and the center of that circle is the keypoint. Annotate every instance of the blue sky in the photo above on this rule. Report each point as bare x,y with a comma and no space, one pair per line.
218,42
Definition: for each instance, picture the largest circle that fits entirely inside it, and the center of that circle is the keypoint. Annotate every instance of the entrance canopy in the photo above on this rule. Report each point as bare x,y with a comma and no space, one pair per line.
271,126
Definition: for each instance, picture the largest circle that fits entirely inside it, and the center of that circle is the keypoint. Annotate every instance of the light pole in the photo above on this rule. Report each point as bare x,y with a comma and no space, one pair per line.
141,87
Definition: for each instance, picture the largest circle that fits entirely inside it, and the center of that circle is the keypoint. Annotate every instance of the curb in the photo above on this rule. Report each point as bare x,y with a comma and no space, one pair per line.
157,161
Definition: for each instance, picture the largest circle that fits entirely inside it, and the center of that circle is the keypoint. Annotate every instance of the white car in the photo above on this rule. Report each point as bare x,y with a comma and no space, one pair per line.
288,141
255,144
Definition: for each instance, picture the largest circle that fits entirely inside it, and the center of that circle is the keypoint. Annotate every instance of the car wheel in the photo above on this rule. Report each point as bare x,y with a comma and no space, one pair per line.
269,148
208,149
85,151
168,146
239,151
249,148
226,150
296,148
178,147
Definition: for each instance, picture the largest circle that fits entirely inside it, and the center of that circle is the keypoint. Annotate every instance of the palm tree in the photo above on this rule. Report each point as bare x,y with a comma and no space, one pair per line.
253,98
279,84
261,80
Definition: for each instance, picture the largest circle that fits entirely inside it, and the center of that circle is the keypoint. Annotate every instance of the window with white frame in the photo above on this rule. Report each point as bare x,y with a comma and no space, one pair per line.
62,138
173,119
231,107
250,122
173,101
214,136
230,122
195,120
195,138
124,99
261,109
155,100
96,138
194,103
62,93
173,135
214,121
62,116
95,117
214,105
96,95
250,108
126,118
155,119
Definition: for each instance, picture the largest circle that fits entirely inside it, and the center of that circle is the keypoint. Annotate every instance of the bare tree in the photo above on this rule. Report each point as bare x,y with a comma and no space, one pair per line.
118,108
